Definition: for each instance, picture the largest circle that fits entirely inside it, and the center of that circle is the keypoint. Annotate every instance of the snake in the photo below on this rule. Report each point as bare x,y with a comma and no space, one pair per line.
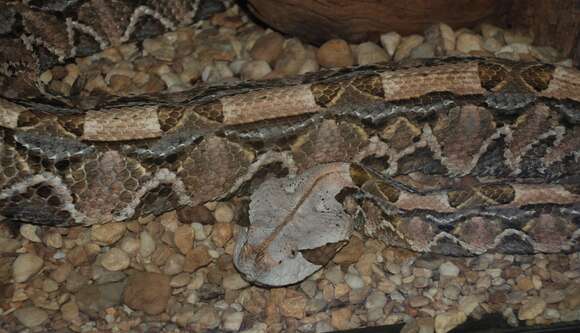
456,155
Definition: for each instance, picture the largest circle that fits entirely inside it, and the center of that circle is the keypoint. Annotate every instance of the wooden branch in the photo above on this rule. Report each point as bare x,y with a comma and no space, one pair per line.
363,20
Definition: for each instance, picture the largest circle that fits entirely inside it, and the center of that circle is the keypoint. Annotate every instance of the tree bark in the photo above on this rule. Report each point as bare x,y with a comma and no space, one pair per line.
363,20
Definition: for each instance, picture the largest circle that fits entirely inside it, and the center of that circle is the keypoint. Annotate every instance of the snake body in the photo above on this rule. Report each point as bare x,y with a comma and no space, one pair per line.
483,152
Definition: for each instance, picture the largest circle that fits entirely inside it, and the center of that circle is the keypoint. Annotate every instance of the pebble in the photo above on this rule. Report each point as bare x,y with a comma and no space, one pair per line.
423,51
115,260
180,280
8,245
183,238
29,231
335,53
468,303
309,66
216,72
146,244
492,45
375,300
309,288
441,37
130,245
418,301
233,321
390,41
340,318
353,280
293,305
53,239
452,291
234,281
551,296
370,53
365,264
109,233
205,319
447,321
255,70
31,316
468,42
49,285
159,49
196,258
551,313
351,252
448,269
407,45
25,266
222,233
531,308
268,47
524,283
70,312
174,264
91,299
292,59
141,295
334,274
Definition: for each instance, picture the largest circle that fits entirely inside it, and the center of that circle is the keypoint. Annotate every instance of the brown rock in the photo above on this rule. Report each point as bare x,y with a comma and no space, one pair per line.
340,318
70,312
418,301
292,59
335,53
196,258
205,319
91,299
78,255
109,233
199,214
293,304
531,308
447,321
351,252
183,238
253,300
222,233
268,47
407,45
155,84
61,273
120,83
524,283
148,292
370,53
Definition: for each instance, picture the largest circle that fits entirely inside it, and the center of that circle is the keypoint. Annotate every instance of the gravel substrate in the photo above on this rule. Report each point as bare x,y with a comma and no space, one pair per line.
174,272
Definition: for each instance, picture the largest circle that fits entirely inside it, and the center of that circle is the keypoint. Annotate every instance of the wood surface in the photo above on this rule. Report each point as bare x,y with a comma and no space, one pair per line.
363,20
553,23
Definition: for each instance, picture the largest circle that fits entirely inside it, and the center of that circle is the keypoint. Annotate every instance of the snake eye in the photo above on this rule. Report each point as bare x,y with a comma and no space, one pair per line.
491,75
538,76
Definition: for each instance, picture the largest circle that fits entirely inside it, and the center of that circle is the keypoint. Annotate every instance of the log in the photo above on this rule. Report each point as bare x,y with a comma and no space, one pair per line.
553,23
364,20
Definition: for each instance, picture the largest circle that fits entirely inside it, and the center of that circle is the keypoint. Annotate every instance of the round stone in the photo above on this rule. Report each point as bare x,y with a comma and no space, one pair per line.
25,266
115,260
